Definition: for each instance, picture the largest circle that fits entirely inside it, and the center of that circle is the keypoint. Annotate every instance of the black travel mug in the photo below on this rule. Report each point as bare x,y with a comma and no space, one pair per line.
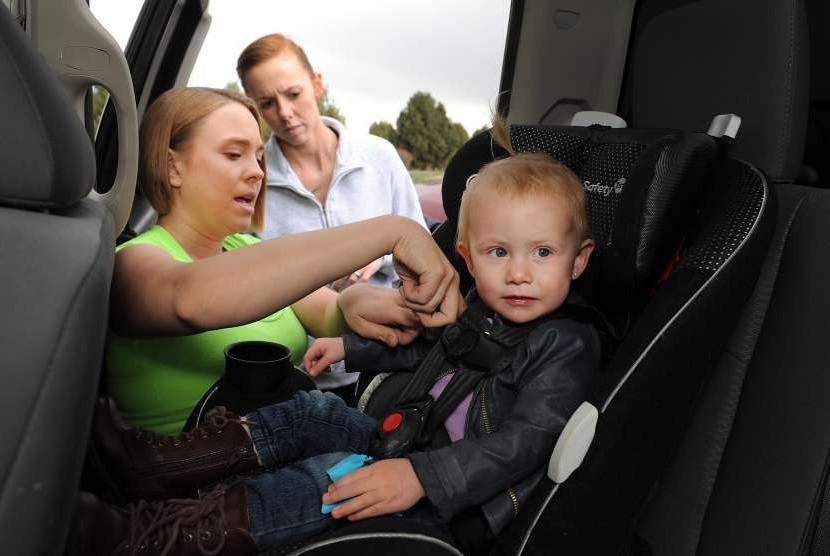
257,374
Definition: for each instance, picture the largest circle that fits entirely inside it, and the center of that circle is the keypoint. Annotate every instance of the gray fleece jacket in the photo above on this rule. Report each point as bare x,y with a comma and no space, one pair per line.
369,180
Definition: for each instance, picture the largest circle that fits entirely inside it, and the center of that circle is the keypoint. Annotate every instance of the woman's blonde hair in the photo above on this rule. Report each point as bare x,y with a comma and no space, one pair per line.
522,175
168,124
265,48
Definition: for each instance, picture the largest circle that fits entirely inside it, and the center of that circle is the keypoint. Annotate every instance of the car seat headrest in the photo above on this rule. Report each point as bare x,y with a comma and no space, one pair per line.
641,189
754,62
46,155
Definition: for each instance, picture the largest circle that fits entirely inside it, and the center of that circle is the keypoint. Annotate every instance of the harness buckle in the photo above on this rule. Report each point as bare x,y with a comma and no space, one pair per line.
401,430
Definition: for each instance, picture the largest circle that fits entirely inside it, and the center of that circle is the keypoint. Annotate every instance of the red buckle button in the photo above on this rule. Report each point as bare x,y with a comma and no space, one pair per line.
392,422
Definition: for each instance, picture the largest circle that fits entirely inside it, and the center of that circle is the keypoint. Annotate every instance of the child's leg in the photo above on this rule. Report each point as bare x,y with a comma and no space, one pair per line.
284,505
309,424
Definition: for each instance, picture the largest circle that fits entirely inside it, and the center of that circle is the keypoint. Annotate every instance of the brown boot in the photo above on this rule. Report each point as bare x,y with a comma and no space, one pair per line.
212,525
150,466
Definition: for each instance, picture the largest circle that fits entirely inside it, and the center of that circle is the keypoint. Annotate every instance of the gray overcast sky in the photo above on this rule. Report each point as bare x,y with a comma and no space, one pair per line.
373,54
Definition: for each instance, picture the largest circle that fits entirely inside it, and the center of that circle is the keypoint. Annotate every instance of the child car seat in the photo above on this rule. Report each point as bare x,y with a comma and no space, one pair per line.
653,196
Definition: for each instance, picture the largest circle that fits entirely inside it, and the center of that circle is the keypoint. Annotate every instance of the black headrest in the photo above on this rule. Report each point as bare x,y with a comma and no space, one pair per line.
46,156
691,60
641,188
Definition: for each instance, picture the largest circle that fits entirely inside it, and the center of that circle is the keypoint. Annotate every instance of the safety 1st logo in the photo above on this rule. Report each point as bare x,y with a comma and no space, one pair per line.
604,190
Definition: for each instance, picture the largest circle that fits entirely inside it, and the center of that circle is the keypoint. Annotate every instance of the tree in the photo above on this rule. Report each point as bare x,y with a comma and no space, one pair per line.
99,101
482,129
328,108
458,136
384,129
425,130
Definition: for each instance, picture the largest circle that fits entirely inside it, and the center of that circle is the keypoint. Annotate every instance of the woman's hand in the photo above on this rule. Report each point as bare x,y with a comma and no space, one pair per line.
385,487
358,276
379,313
429,282
322,353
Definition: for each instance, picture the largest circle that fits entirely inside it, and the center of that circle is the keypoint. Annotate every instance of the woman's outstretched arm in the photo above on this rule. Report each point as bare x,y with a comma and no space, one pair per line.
153,294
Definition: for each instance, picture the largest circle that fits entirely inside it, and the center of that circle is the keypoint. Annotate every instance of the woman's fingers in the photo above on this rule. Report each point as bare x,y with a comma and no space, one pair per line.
447,312
380,314
441,308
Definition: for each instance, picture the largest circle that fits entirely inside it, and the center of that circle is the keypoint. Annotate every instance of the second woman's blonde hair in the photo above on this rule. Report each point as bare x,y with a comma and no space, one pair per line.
168,124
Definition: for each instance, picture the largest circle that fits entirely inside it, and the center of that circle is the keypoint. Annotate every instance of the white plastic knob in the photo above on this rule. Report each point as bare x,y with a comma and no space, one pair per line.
573,443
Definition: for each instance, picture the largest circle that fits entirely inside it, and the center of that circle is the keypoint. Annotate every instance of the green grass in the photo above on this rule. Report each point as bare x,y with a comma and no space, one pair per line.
421,176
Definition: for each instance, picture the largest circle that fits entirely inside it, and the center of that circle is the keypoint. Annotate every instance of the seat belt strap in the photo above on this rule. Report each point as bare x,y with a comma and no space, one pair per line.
463,382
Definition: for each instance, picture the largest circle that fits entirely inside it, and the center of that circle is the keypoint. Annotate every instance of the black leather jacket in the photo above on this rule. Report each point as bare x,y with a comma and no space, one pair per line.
513,421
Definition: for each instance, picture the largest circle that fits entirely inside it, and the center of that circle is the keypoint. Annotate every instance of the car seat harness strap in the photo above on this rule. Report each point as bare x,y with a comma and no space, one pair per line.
473,350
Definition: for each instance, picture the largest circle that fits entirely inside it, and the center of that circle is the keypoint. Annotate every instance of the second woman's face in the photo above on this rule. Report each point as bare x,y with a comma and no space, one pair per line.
287,95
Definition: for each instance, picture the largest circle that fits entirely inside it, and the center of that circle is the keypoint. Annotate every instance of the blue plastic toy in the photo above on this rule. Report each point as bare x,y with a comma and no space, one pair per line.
341,469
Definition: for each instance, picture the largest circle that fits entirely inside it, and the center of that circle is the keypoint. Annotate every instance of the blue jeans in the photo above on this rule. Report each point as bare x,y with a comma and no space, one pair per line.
300,439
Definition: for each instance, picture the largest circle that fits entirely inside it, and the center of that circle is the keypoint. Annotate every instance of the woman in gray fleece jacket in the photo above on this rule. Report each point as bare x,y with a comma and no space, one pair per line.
320,175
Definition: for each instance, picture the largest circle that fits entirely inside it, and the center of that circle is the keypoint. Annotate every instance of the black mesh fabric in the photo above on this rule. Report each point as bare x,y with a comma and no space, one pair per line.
742,204
641,189
565,147
605,174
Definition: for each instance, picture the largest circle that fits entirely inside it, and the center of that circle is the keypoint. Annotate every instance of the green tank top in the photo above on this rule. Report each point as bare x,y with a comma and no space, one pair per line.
156,382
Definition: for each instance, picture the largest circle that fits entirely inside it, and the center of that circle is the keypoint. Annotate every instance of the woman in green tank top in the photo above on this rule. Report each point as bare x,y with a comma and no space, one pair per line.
193,283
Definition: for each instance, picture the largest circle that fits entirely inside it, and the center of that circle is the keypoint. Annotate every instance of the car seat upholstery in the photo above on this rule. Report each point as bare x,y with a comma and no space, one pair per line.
816,169
643,189
55,267
691,59
751,475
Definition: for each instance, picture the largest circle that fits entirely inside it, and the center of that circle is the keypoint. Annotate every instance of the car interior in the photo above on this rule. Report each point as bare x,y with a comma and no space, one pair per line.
700,131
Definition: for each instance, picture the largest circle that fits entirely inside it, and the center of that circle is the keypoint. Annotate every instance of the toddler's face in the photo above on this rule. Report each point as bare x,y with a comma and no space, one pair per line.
523,254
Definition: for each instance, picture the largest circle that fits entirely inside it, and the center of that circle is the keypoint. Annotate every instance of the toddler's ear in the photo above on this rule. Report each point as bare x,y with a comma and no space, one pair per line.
465,254
582,256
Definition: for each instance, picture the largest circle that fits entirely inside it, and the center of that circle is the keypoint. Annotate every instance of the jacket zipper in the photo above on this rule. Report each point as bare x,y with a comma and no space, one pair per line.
442,374
488,428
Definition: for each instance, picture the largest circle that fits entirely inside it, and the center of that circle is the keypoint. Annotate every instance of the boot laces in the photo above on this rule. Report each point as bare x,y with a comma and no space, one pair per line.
214,421
159,524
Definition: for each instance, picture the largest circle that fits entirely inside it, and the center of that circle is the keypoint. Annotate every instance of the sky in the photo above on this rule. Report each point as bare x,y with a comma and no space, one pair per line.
372,54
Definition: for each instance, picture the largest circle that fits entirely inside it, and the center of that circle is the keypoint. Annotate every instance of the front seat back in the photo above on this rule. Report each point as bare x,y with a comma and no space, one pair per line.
690,59
55,271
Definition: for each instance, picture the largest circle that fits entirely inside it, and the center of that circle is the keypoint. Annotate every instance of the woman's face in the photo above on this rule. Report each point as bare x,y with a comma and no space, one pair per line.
216,175
287,95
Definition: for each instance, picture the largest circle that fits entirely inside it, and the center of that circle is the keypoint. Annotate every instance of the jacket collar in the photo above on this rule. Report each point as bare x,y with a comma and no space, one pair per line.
280,173
483,318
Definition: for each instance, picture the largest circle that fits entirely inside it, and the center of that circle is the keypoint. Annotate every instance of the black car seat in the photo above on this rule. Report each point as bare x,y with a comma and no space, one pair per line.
751,475
644,189
55,271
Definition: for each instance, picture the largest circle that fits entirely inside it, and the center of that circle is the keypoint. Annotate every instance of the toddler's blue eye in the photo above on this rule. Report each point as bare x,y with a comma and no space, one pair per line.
499,252
543,252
